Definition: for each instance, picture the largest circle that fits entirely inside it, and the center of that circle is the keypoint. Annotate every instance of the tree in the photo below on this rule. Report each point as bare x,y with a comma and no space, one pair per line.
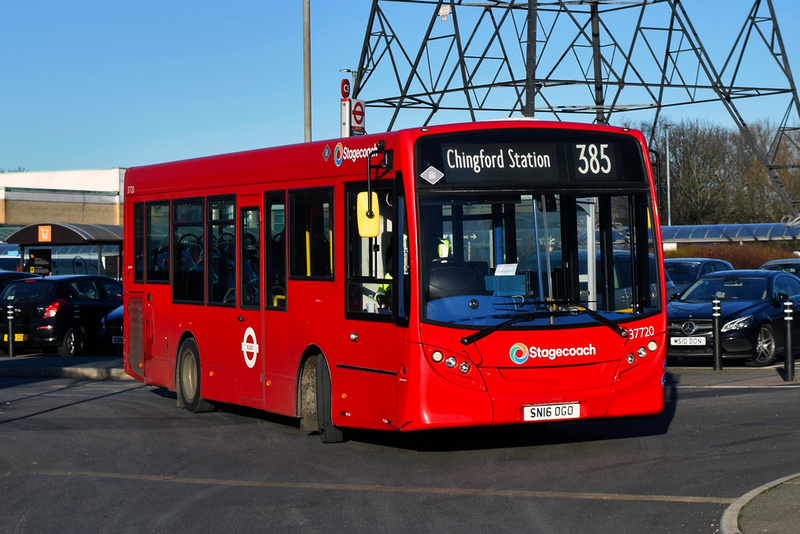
714,176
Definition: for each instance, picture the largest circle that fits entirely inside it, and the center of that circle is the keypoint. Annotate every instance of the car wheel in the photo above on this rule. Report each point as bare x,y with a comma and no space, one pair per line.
67,347
765,347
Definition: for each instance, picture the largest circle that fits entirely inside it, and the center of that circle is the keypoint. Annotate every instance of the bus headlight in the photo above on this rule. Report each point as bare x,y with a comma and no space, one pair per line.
458,368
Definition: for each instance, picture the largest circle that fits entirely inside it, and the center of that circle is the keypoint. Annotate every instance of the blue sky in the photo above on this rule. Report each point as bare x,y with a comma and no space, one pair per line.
90,84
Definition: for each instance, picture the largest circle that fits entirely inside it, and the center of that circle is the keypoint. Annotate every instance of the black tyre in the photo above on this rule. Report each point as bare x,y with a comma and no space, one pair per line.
328,432
67,347
765,347
189,378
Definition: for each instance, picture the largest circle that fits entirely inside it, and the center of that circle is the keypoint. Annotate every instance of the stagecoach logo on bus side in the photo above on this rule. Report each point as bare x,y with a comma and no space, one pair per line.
519,352
250,344
342,153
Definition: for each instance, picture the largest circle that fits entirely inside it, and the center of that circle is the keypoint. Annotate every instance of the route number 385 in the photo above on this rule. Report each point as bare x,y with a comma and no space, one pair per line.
593,158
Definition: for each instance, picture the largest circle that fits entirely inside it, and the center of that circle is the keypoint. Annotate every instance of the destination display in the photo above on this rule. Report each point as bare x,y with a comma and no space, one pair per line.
586,159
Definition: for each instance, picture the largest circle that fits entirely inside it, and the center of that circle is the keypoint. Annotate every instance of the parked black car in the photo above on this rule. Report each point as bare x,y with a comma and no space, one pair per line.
45,311
751,323
111,331
684,271
10,276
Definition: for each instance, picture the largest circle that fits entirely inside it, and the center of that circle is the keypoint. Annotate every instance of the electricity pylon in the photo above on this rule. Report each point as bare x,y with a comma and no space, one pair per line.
581,60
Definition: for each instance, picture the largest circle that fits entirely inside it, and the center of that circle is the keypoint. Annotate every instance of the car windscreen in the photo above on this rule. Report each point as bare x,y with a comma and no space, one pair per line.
682,272
737,288
29,290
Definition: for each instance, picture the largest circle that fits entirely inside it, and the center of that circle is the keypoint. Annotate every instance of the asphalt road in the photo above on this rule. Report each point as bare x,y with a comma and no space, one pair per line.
118,456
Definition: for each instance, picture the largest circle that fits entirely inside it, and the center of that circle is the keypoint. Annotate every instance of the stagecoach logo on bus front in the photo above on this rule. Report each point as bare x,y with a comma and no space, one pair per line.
520,353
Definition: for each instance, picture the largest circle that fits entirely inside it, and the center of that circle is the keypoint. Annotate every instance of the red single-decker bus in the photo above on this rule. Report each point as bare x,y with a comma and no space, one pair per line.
461,275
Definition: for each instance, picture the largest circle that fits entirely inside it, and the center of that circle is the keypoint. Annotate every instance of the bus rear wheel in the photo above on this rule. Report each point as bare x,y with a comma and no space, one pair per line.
189,378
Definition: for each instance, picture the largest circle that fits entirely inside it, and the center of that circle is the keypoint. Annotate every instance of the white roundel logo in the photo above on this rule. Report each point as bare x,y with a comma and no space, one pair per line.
250,345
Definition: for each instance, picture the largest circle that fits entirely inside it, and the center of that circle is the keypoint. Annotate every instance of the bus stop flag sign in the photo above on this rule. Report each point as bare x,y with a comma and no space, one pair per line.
357,117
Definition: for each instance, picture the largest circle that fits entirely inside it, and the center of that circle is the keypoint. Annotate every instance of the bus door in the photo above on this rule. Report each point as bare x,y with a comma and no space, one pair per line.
152,330
222,349
249,328
377,279
279,370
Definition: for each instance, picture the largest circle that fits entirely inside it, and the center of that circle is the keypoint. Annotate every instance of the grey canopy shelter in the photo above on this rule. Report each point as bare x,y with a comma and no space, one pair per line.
63,234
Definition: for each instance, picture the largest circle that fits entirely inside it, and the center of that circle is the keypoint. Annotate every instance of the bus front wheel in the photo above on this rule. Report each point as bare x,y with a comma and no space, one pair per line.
189,378
328,432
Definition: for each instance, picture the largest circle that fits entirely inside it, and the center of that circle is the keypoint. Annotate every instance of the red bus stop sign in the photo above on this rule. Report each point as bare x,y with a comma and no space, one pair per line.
357,115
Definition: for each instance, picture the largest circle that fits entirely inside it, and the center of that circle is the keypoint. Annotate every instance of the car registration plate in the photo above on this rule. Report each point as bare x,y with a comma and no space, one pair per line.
116,340
17,337
551,412
687,341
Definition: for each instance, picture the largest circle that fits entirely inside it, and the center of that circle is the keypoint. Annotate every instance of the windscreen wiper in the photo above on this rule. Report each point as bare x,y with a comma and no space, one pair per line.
621,332
480,334
568,309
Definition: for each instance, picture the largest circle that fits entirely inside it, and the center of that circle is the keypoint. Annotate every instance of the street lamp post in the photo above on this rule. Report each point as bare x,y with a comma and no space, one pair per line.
307,67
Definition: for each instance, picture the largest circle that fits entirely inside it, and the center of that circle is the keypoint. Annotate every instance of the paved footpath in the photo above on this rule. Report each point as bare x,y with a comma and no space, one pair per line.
772,508
39,366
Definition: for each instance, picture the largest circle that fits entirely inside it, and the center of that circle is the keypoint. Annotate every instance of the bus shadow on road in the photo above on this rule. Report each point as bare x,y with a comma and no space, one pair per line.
481,438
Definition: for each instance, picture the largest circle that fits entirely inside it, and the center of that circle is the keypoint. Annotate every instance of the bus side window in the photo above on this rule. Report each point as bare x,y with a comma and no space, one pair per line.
311,232
157,235
221,235
138,242
275,249
188,255
371,261
250,260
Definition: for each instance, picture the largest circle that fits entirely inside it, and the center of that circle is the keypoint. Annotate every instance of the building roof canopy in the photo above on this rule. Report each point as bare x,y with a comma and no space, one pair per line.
716,233
57,234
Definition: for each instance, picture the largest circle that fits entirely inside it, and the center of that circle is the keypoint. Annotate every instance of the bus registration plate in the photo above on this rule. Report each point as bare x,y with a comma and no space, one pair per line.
551,412
687,341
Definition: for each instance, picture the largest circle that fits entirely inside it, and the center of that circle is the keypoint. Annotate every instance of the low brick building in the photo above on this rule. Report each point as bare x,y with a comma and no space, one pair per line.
77,197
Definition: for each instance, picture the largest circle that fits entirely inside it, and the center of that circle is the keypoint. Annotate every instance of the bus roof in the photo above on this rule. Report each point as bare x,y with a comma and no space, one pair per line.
327,158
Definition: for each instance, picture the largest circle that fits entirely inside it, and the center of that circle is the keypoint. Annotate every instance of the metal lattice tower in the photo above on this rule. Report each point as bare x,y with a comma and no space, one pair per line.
581,60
